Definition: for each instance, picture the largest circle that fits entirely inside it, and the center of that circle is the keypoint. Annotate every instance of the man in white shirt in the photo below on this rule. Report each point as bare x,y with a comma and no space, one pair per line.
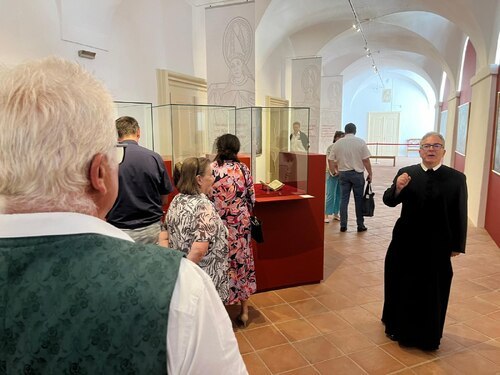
78,294
349,157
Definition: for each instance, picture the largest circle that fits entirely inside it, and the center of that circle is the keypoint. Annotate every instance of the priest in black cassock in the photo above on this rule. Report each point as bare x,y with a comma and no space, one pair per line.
431,229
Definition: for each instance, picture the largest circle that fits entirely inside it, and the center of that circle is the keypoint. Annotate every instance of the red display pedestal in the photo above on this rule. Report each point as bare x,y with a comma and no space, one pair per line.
293,226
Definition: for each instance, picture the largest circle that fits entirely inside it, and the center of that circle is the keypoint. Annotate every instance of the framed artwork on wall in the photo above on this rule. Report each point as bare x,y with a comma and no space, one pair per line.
496,160
462,124
442,123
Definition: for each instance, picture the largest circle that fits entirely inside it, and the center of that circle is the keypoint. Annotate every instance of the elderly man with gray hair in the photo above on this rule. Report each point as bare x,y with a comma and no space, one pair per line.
78,295
432,228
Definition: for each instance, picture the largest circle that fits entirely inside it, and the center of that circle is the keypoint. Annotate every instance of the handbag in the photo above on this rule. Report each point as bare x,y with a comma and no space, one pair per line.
256,229
368,201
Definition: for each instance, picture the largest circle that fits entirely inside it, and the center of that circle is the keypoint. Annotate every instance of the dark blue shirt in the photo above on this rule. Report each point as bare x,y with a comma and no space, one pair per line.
143,180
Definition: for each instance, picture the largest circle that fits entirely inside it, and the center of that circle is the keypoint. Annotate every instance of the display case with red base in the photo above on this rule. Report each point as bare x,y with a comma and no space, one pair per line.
293,226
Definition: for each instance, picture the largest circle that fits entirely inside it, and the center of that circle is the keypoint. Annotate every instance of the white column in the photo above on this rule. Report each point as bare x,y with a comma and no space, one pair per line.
480,141
451,130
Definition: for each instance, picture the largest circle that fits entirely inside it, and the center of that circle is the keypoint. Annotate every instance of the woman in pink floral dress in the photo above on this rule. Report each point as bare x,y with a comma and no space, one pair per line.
234,198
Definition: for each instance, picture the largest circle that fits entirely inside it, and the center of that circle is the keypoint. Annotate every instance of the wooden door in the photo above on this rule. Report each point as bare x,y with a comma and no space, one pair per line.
180,124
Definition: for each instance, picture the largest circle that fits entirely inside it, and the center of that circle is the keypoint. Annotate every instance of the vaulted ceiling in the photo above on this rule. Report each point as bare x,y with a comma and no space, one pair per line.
415,38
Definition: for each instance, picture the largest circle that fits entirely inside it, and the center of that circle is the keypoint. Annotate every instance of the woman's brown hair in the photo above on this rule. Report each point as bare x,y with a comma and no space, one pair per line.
228,146
185,174
338,134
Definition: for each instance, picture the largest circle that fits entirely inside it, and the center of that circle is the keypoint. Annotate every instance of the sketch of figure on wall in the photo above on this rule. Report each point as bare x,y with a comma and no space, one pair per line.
310,86
331,110
334,93
308,95
237,49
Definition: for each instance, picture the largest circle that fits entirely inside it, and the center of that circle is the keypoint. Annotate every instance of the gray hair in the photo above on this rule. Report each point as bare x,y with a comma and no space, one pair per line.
430,134
54,118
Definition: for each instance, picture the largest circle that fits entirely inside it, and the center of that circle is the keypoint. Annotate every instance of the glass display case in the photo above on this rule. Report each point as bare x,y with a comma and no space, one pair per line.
143,113
190,130
265,134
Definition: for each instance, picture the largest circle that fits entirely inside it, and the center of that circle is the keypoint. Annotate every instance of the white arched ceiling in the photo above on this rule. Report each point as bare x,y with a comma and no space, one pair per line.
424,36
394,63
350,42
410,72
366,81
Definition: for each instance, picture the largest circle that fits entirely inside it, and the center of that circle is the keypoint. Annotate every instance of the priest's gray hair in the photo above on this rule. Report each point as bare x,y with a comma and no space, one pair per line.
430,134
54,118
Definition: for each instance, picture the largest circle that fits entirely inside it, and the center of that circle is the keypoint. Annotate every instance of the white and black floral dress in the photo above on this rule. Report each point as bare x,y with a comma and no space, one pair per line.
193,218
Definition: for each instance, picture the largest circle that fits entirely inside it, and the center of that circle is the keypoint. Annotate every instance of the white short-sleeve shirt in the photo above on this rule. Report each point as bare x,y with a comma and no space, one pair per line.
349,152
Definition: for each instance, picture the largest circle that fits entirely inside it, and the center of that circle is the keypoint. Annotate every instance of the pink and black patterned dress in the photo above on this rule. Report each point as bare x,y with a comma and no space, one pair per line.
234,198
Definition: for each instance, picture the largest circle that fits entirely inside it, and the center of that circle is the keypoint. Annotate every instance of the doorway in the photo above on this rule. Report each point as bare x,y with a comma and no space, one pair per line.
383,130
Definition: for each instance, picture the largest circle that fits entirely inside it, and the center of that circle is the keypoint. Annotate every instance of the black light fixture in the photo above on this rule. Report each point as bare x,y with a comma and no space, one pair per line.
357,26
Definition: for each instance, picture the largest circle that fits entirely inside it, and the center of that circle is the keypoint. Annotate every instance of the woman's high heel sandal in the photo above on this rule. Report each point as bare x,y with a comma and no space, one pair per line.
242,320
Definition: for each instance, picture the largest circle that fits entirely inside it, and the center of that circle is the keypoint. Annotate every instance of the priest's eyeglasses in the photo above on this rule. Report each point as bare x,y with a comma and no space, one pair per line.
428,146
120,152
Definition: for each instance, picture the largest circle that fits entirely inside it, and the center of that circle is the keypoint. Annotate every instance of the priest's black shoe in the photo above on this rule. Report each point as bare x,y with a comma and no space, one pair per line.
362,228
391,336
343,229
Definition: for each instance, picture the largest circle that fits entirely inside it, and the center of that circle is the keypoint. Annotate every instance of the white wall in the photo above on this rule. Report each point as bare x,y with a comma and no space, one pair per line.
361,96
144,36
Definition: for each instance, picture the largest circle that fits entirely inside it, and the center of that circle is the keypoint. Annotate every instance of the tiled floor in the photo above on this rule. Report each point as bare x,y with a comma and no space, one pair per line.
334,327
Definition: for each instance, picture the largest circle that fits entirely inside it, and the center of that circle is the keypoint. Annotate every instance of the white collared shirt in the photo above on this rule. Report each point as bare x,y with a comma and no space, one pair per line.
296,143
425,168
349,152
200,339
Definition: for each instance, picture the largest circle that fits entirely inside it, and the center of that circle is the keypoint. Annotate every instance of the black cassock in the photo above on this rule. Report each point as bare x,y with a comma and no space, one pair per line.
418,271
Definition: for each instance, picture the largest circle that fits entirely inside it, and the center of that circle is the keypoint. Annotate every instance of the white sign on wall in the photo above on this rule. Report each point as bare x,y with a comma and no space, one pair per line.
306,90
231,54
230,33
331,110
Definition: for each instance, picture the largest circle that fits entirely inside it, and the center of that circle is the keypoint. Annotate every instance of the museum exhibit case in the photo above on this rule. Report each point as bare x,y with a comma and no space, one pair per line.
292,216
190,130
184,131
264,133
143,113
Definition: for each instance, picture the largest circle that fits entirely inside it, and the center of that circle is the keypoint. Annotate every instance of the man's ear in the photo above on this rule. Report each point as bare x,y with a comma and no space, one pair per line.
97,174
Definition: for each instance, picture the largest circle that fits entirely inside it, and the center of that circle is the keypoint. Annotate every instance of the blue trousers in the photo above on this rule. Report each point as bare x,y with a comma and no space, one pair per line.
355,181
332,204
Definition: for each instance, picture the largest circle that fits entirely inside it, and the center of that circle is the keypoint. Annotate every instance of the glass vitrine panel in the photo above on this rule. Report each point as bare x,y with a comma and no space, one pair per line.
190,130
265,134
143,113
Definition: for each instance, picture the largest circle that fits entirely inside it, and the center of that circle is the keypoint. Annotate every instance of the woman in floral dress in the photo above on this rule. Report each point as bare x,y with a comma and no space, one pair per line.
234,198
193,224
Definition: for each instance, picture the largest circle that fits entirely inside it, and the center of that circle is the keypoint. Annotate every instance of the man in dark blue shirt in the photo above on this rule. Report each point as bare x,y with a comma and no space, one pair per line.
143,189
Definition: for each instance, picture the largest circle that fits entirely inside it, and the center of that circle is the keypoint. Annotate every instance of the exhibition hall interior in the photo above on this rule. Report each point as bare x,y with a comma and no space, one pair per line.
190,71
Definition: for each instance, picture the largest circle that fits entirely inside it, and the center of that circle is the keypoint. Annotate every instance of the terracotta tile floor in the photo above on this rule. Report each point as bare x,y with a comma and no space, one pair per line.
334,327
